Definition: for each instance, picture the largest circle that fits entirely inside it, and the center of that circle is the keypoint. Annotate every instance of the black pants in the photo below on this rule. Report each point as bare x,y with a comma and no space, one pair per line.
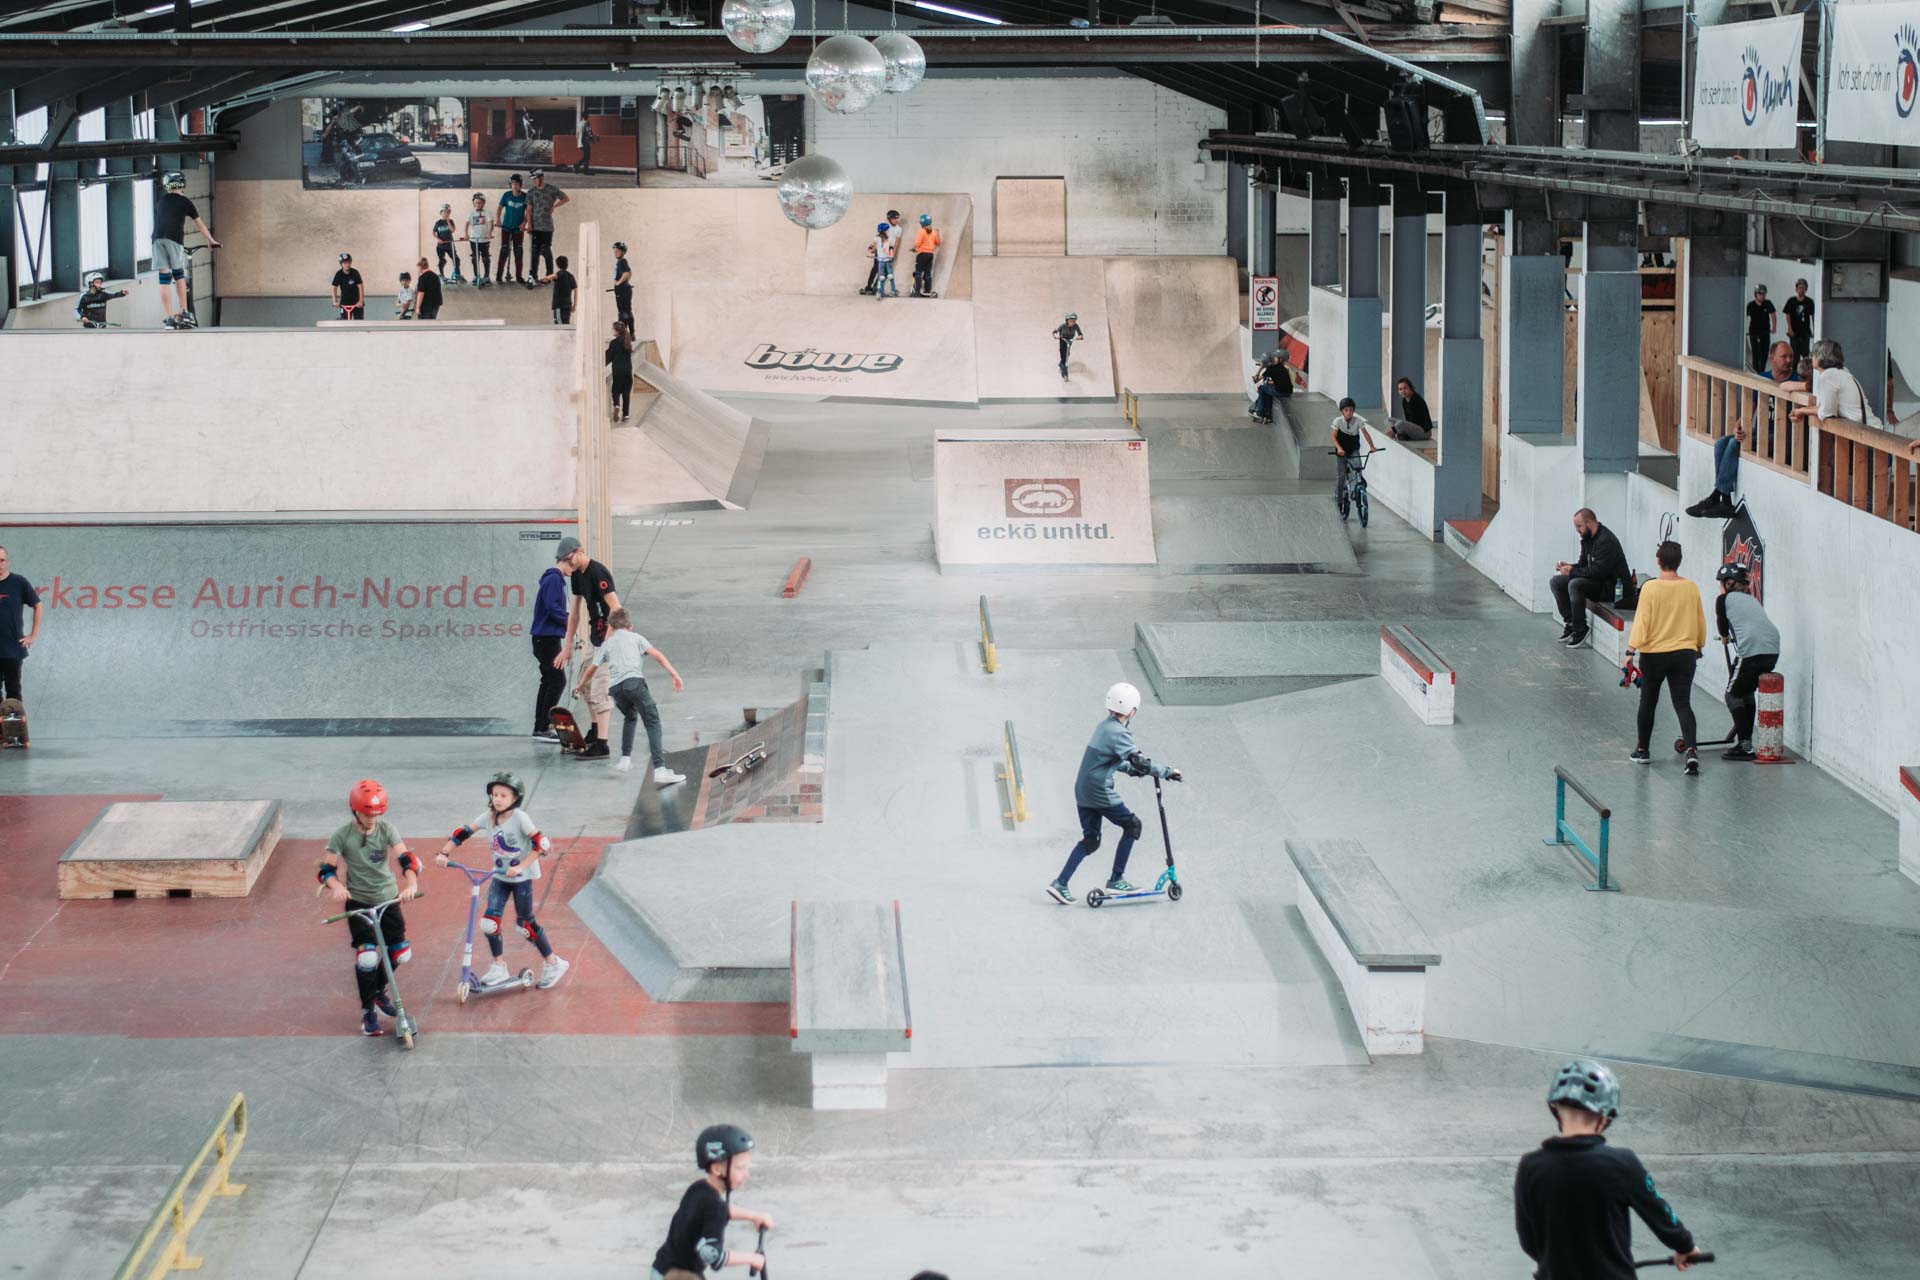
429,311
923,273
542,248
10,678
481,254
635,701
553,682
1570,596
623,306
1066,349
442,250
622,389
563,314
512,243
873,275
1740,690
1757,344
393,926
1802,343
1675,670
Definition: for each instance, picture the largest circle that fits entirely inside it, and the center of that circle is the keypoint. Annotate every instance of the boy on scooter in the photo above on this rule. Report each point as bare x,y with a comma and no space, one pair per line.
1111,748
517,845
697,1238
354,871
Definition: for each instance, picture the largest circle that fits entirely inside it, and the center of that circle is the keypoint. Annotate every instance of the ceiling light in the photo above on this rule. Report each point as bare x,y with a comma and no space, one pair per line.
406,27
968,14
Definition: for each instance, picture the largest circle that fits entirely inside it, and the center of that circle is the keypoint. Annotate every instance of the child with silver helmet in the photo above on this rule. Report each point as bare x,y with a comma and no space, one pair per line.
516,845
1572,1194
1111,748
697,1237
1068,330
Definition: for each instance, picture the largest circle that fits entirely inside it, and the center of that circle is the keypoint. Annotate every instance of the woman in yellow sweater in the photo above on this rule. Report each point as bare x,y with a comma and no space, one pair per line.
1669,633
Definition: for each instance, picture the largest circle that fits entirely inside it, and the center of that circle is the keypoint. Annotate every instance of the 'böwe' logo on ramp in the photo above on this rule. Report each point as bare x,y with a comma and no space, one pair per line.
1043,498
768,356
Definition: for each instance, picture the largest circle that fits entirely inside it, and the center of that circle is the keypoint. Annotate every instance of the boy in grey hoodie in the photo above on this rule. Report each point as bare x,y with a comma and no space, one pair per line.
1110,748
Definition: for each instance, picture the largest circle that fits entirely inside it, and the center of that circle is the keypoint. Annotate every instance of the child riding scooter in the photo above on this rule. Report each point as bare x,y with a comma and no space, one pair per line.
1111,748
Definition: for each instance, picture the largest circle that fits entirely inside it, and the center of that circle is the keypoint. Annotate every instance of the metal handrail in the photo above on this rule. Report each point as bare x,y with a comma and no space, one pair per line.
1016,776
174,1211
989,652
1563,834
1130,407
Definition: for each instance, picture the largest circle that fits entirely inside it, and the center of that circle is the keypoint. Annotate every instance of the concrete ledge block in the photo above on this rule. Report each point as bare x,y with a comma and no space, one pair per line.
1910,822
1418,674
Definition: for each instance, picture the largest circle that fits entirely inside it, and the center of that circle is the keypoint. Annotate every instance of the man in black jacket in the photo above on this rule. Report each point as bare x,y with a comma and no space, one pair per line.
1571,1196
1594,576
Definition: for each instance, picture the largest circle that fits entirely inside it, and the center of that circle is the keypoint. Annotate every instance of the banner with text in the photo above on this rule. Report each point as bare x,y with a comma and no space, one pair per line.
1875,74
1747,95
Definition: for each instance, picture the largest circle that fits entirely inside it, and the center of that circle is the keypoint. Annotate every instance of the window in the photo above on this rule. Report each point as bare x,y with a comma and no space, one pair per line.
29,208
142,221
92,127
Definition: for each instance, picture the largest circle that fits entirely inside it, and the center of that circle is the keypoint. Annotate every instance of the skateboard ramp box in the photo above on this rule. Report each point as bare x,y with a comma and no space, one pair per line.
1076,498
1017,304
1176,325
899,350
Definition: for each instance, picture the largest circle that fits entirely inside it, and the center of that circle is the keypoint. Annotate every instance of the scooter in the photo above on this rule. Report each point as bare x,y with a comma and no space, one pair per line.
759,1247
470,983
1169,881
404,1027
1680,744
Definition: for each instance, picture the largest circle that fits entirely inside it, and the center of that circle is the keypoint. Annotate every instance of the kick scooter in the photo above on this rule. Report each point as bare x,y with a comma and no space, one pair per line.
1680,744
470,983
1169,881
404,1027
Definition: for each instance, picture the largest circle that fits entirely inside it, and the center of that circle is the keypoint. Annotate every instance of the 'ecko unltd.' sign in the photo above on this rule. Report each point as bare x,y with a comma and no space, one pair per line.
1071,498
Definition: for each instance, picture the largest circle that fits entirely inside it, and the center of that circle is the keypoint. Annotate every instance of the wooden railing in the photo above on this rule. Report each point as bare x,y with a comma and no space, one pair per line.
1868,469
1718,396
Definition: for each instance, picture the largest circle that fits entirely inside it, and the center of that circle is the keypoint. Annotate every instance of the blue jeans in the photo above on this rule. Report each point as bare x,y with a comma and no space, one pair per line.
884,280
522,894
1120,816
1263,402
1726,465
635,701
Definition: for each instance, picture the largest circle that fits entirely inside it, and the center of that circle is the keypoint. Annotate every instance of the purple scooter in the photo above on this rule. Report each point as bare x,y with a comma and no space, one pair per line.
470,983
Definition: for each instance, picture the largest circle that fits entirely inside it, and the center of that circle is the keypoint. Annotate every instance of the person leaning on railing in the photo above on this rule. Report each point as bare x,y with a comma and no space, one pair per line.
1836,392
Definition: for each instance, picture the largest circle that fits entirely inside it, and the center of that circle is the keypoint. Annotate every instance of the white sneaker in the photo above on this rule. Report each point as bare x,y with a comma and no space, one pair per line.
552,971
667,777
625,765
496,973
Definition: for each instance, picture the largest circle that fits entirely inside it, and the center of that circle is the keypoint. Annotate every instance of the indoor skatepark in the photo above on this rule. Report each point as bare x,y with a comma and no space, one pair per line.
1326,1056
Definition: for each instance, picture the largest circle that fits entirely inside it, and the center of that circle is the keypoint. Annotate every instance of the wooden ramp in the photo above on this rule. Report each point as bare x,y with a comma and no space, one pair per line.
172,849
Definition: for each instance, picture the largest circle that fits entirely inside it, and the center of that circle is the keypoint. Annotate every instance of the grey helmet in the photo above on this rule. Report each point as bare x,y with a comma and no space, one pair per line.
1588,1085
720,1142
94,278
512,782
174,181
1073,315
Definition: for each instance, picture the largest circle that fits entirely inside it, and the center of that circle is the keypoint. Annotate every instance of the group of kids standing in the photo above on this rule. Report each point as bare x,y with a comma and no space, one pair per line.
883,251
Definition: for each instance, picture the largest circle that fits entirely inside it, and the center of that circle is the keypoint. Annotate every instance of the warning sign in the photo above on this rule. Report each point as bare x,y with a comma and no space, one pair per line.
1265,303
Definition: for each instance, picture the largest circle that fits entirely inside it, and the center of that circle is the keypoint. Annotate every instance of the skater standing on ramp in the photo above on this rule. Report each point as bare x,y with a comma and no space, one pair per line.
926,242
354,871
1069,330
479,238
886,241
623,285
1111,748
517,845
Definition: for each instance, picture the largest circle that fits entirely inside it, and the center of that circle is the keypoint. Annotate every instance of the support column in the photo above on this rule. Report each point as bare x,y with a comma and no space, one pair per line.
8,249
1363,295
1533,352
1408,356
122,253
1860,327
1262,211
1323,231
1716,299
1461,405
63,228
1609,395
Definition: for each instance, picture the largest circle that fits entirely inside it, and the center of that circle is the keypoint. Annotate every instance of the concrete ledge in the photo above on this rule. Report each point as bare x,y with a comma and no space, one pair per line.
1910,822
171,849
1402,477
1608,627
1304,417
1210,663
1377,949
1418,674
848,1003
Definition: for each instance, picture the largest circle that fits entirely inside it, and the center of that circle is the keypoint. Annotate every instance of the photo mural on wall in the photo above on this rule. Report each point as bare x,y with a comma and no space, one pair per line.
382,144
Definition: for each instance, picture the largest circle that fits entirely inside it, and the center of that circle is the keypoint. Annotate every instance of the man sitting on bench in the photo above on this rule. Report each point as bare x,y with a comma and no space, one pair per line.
1594,576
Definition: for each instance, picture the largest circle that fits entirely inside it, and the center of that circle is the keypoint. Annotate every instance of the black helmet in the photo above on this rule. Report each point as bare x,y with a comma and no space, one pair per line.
346,257
720,1142
512,782
1734,573
621,245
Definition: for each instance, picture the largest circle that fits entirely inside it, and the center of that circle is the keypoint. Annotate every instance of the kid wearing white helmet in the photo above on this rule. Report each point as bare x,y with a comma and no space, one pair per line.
1571,1197
90,307
1110,748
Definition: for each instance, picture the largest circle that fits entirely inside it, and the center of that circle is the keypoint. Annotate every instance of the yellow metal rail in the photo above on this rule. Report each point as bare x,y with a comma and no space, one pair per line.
1016,776
989,653
1130,407
167,1229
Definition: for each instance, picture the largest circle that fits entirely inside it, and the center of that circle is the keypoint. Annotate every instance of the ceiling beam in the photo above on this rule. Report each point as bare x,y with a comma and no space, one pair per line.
115,149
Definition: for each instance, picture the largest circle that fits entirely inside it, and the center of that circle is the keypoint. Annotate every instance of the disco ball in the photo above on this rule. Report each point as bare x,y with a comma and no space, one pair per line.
814,192
905,60
757,26
846,74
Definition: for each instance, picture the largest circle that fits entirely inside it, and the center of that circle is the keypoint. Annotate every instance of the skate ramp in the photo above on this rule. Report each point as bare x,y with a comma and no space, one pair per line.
1017,303
715,447
1176,325
1212,663
1254,533
903,351
1221,453
836,256
1059,498
1030,217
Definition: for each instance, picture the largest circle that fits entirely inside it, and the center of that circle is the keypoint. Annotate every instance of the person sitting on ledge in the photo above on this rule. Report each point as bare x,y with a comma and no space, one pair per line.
1594,576
1415,421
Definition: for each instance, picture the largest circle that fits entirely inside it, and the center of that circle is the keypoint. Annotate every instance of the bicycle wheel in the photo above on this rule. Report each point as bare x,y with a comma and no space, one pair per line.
1360,506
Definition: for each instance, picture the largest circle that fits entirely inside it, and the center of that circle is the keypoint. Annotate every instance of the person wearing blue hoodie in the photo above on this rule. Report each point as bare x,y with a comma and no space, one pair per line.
1111,748
549,631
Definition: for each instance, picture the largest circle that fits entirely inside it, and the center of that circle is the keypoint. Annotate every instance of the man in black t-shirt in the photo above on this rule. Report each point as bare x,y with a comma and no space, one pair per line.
1762,320
594,596
427,292
1799,311
16,597
349,290
566,291
170,215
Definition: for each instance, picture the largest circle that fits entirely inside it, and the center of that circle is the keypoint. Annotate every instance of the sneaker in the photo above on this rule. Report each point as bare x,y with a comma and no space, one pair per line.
1723,510
370,1024
1693,763
1640,756
496,973
552,971
1120,886
625,765
545,735
1060,894
1574,639
384,1003
667,777
596,750
1739,751
1706,504
1566,631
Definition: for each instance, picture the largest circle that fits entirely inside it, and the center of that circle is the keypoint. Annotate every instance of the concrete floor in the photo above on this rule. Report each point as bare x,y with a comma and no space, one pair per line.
1756,987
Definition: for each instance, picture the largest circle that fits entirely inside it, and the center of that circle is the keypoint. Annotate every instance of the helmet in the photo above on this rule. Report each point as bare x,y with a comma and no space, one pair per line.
94,277
346,257
1586,1084
477,196
926,219
367,797
174,180
1736,573
720,1142
446,208
883,227
621,245
511,781
1073,315
1123,699
536,173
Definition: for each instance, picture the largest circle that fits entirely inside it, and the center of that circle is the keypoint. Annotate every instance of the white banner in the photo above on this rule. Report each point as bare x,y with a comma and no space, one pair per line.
1875,75
1747,94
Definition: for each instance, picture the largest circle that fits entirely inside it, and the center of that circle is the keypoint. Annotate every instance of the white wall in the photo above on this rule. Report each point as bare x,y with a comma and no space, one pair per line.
1126,148
1401,479
288,420
1539,491
1327,342
1903,345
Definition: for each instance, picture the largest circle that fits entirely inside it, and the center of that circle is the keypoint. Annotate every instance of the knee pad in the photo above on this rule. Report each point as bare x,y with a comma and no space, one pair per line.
490,926
1132,828
166,277
400,954
367,958
531,928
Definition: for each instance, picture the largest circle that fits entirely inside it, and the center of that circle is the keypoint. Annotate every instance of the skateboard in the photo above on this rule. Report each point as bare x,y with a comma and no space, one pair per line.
13,723
755,756
567,729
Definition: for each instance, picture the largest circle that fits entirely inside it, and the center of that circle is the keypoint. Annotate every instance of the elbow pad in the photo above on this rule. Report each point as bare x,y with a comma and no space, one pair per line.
459,836
1138,764
408,862
540,843
327,872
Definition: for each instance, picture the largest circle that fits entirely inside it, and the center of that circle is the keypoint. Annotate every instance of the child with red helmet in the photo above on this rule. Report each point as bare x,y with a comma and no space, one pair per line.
354,871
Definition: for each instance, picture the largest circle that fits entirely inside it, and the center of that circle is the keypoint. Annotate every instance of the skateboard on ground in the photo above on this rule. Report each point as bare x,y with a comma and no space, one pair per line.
567,729
13,723
754,757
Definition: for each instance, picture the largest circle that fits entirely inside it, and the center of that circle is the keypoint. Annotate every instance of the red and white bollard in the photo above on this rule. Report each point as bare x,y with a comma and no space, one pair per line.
1770,725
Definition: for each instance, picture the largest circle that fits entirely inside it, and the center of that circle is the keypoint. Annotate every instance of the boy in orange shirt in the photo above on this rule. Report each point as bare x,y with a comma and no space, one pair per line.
925,242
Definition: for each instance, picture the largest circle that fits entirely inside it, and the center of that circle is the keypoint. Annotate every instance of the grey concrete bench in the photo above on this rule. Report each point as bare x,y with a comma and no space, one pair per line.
1608,626
1910,822
1418,674
849,999
1377,949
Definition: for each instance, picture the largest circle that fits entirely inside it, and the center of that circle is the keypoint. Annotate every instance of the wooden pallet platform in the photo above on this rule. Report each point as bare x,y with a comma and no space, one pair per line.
172,849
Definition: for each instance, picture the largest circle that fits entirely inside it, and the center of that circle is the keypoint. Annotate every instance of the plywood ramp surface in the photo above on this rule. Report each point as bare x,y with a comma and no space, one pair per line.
1017,304
836,259
1175,325
1030,217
